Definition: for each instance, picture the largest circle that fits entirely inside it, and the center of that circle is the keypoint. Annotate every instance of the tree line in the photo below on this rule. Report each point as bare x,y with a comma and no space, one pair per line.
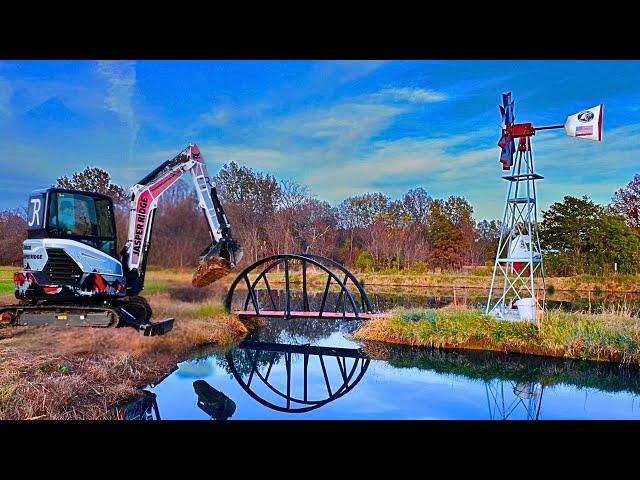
367,232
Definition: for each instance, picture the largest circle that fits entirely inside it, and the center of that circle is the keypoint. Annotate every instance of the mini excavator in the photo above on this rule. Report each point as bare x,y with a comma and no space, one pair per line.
72,274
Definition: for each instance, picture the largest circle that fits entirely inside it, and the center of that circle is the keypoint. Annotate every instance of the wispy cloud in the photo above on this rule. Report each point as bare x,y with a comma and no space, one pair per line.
217,116
121,77
336,132
339,72
5,97
412,95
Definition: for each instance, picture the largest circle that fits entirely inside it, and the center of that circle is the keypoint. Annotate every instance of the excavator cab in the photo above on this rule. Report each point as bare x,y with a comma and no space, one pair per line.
74,215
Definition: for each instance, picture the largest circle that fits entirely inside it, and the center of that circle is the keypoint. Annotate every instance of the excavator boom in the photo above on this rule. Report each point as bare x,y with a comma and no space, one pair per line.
223,253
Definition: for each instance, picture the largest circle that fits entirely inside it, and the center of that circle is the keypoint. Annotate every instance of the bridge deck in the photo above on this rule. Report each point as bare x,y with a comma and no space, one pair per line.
303,314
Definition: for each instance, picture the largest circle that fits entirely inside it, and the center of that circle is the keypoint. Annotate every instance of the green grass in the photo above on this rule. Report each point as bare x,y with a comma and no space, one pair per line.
6,279
606,336
209,310
154,286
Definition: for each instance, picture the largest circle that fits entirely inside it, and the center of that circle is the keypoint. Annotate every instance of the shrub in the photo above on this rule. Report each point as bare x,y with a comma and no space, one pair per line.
365,261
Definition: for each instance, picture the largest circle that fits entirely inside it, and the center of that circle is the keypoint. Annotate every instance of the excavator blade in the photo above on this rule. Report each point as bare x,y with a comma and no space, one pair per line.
221,259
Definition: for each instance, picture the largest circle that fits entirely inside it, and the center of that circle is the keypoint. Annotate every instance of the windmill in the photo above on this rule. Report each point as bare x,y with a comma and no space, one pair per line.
518,271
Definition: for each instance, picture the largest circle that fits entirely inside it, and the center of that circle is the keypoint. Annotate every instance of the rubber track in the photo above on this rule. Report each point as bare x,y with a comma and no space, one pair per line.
63,309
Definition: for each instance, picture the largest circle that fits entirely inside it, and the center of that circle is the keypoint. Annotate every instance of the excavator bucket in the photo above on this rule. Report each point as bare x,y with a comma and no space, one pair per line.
218,262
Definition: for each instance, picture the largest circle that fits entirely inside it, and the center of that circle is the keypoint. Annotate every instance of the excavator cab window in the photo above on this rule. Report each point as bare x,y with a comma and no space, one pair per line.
83,217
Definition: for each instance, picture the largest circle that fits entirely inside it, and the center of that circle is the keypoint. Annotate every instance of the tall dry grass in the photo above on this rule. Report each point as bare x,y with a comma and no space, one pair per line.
82,373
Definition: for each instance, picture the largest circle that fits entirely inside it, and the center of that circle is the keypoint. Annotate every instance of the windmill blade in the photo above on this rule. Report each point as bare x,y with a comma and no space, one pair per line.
585,124
506,142
507,109
508,149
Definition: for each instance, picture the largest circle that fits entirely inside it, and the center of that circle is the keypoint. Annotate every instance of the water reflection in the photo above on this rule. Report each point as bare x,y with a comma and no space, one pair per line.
294,368
299,389
511,399
143,408
213,402
514,384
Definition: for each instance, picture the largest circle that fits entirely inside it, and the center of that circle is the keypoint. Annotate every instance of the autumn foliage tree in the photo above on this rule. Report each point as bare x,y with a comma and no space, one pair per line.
271,216
626,202
13,231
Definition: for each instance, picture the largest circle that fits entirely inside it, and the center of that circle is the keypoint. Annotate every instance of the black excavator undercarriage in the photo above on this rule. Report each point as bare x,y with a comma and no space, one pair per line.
132,311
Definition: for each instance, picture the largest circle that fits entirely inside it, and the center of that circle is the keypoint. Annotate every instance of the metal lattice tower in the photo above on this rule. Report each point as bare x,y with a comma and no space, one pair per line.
518,272
524,405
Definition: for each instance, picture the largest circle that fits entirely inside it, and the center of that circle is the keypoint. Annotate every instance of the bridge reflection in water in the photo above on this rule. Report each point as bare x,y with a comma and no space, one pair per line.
252,362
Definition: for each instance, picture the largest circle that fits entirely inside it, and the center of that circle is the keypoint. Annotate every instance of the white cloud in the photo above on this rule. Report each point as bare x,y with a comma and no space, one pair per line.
412,95
459,165
121,77
5,97
217,116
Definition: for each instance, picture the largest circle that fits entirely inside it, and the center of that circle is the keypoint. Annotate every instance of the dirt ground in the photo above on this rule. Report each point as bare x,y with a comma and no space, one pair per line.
83,373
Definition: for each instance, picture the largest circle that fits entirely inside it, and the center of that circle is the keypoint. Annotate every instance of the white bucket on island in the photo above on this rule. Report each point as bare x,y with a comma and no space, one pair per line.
526,309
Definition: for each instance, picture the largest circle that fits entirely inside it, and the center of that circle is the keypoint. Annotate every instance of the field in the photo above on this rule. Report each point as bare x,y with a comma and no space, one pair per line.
159,280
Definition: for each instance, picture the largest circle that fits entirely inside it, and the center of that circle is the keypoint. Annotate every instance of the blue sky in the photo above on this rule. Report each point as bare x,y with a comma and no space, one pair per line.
341,127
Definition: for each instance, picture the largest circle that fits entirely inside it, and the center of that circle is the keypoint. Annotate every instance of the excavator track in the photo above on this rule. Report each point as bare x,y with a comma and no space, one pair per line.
63,315
134,312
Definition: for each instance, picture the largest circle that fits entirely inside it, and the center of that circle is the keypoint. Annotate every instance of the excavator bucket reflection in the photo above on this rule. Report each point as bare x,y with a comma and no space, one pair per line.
213,402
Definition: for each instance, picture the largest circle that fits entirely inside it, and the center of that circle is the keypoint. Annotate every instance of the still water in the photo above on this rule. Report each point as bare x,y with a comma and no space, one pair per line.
313,369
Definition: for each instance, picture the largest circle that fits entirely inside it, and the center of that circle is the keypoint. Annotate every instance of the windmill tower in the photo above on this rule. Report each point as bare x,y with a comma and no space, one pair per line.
517,290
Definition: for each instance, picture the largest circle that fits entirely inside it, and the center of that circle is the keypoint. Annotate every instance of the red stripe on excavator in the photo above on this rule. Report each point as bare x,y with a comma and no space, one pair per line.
164,183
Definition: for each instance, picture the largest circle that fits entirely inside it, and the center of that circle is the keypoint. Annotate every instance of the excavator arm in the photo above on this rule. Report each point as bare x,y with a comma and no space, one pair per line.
217,260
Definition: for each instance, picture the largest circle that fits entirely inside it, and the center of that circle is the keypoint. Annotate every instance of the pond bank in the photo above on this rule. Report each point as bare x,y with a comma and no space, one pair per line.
84,373
603,337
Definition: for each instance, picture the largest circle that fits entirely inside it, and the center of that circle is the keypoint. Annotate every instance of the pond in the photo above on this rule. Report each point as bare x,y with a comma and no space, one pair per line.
313,369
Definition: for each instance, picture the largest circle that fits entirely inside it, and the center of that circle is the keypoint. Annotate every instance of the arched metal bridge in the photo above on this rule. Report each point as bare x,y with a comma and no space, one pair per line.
301,286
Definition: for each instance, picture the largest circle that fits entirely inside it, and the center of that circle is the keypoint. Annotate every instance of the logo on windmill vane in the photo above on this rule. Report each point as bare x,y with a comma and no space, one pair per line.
585,116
